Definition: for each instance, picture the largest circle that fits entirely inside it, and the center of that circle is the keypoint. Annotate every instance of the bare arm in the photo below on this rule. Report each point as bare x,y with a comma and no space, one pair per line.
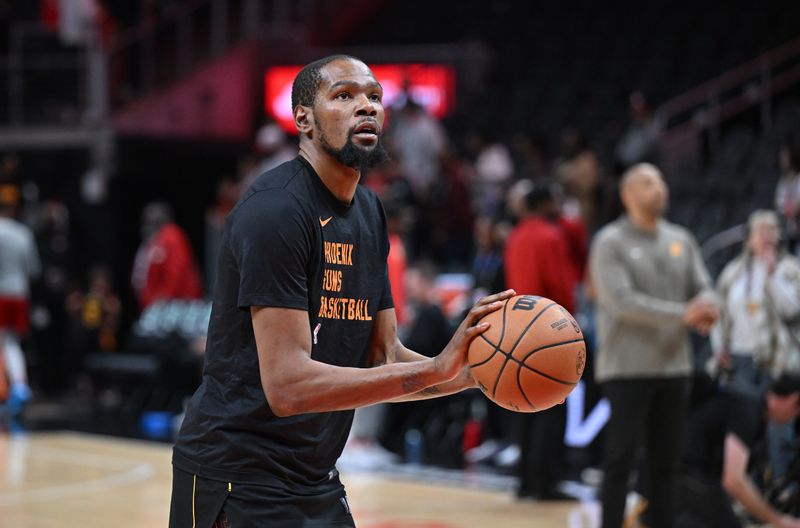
294,383
740,487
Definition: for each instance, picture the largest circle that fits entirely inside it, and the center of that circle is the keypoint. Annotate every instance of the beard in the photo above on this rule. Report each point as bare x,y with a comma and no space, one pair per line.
353,156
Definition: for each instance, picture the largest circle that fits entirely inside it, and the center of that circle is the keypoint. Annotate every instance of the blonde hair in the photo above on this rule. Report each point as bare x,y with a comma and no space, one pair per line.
761,217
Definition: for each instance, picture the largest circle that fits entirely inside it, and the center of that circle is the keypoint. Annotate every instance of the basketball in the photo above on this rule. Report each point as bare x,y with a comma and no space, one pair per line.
532,355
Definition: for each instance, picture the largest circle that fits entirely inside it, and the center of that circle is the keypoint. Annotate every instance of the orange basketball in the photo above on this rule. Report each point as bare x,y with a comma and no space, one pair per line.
531,357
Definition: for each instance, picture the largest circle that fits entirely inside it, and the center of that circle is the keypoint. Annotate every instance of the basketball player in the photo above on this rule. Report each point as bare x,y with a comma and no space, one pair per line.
19,264
302,305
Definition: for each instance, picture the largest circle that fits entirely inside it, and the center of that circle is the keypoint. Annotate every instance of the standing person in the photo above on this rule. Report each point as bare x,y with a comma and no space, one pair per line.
19,263
302,329
760,294
537,262
651,285
164,267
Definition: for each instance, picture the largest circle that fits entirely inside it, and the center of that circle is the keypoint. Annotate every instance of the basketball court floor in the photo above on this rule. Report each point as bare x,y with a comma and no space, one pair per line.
54,480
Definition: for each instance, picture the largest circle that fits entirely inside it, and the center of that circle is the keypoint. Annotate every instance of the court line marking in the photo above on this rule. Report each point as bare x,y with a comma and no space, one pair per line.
139,473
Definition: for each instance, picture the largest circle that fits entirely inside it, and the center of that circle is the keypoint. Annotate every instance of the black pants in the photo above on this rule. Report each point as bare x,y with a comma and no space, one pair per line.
204,503
541,444
703,503
650,413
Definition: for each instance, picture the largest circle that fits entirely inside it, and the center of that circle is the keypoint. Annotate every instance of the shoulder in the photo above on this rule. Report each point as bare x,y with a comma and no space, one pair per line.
15,228
290,176
789,263
608,234
678,231
731,269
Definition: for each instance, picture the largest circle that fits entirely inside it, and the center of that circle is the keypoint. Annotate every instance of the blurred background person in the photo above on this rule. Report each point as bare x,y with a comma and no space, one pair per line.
56,364
165,267
537,262
652,286
19,264
95,315
725,430
639,142
787,192
757,335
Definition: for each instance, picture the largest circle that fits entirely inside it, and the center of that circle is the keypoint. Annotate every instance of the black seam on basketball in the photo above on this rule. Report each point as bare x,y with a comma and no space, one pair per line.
521,390
497,346
548,376
495,351
510,353
532,352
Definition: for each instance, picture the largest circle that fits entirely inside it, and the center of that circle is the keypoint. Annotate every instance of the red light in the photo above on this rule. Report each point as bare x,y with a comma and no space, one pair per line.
432,85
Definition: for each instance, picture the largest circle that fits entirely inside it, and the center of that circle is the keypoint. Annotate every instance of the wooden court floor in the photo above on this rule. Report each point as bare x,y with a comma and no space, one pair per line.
55,480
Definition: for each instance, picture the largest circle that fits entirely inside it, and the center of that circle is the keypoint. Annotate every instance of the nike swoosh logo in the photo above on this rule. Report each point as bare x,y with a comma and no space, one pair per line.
323,223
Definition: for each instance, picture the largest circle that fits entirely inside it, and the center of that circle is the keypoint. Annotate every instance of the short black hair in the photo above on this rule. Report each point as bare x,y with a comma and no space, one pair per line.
785,385
539,195
306,84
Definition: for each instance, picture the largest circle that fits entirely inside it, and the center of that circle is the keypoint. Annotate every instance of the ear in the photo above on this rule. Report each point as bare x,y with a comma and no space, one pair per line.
304,119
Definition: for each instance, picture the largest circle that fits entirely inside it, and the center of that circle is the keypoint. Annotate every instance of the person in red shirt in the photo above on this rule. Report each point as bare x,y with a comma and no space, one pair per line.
537,262
537,256
165,266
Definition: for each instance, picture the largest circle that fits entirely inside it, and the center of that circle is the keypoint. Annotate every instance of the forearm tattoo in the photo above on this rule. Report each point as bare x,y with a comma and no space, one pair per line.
412,383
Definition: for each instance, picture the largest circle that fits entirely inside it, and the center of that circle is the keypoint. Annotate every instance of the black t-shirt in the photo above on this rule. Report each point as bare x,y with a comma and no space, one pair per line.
711,420
287,243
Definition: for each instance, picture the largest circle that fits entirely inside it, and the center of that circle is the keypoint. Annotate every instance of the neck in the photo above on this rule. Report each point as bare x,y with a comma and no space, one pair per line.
340,180
645,222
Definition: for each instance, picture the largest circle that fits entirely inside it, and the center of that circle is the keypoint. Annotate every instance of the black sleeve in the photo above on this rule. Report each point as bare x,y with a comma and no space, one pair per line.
744,419
386,300
271,242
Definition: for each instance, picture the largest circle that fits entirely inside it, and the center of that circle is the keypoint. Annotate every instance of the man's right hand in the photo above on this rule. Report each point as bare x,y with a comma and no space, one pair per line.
701,314
453,358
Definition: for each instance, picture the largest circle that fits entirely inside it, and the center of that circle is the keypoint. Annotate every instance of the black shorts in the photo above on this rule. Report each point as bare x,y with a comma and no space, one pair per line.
199,502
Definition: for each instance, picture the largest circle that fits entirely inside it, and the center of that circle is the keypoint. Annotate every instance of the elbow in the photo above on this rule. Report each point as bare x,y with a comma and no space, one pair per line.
282,402
732,484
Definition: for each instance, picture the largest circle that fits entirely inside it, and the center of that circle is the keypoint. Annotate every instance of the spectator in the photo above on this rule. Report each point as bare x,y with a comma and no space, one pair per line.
19,263
578,173
396,261
95,314
272,148
638,143
165,267
493,170
49,320
536,257
760,293
724,429
487,266
537,262
651,285
419,141
452,212
787,193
